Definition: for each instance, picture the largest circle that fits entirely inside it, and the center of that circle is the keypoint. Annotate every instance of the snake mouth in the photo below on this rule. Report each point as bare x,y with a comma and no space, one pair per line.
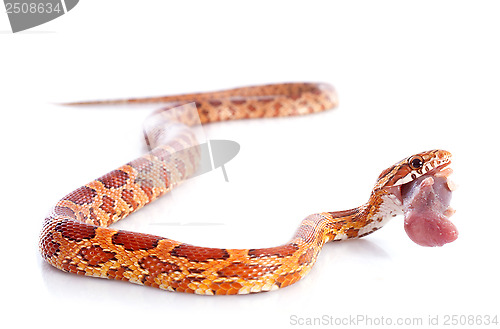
426,207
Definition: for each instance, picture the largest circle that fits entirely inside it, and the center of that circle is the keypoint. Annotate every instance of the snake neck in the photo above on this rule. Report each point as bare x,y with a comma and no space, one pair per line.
353,223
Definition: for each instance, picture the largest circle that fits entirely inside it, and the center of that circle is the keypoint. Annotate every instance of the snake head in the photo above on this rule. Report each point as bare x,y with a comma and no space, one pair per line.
422,186
413,167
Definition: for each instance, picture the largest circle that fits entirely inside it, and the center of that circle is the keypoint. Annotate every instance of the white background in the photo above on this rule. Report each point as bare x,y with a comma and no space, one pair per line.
411,76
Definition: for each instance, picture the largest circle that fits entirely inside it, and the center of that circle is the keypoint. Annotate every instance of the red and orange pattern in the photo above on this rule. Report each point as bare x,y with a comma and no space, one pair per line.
75,236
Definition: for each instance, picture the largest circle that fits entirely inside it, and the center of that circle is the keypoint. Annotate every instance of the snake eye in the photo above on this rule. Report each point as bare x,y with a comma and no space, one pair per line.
416,162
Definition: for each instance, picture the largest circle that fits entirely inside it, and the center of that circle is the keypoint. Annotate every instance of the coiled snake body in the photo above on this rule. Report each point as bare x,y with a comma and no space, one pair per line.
75,236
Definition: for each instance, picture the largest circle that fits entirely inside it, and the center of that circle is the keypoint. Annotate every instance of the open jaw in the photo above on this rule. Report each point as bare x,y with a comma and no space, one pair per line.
426,207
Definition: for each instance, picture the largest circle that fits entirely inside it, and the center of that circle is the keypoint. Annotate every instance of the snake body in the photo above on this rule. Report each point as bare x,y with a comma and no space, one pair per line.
76,238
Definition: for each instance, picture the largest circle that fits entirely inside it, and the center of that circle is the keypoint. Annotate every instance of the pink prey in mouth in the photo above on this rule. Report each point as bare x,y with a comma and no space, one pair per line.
423,190
426,207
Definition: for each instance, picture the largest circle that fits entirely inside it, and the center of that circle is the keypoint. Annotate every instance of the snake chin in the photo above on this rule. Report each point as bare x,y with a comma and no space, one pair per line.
426,208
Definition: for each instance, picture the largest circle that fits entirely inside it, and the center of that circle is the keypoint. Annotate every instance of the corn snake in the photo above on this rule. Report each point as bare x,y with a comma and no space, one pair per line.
75,236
